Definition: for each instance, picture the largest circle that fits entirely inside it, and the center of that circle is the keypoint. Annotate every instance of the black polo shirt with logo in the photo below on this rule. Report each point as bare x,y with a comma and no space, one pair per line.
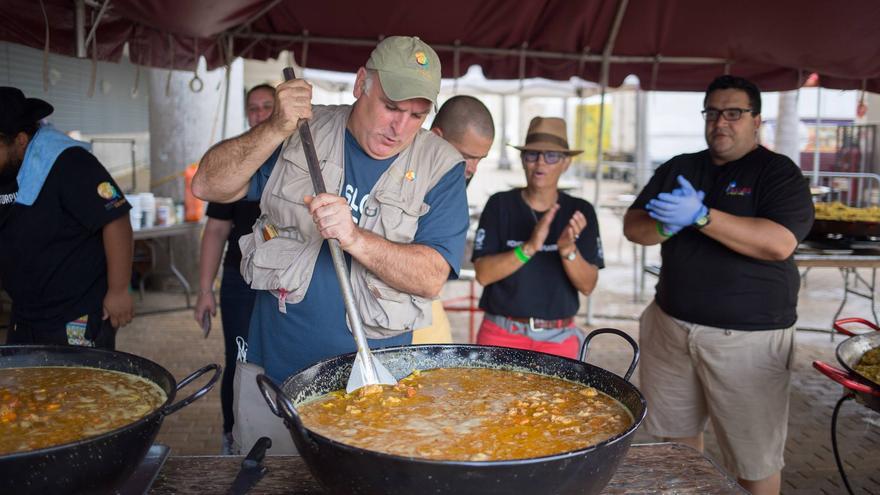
701,280
52,260
540,288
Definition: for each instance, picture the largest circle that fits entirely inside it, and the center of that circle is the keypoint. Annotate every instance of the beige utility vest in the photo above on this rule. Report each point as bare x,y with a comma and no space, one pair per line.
280,254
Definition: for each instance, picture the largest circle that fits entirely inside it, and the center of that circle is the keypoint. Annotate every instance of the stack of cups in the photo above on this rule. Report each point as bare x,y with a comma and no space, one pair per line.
135,214
148,208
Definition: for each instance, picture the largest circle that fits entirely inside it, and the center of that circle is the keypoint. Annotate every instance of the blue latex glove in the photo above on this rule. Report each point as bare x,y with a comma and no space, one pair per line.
678,209
671,230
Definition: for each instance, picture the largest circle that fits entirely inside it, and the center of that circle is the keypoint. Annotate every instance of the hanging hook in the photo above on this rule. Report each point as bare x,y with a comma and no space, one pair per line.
522,65
170,67
196,85
305,49
655,71
582,62
456,72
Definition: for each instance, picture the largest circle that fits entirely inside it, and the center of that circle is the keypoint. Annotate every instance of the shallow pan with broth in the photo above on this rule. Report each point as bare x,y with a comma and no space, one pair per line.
342,468
94,464
849,352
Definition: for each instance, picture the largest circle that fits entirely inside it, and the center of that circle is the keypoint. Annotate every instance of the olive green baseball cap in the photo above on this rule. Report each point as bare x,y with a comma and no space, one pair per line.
407,67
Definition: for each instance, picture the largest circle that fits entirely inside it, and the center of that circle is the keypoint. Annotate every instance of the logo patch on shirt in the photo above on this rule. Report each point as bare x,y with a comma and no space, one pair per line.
410,175
107,191
733,190
479,238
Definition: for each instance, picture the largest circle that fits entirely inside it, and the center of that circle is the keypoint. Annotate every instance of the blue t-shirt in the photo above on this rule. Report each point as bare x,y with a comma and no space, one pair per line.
315,328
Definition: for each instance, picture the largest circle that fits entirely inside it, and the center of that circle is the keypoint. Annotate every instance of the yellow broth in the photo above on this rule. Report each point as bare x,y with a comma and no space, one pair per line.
45,406
472,414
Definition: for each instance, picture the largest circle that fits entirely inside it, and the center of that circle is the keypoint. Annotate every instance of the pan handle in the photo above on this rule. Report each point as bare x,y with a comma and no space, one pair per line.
844,379
585,347
218,370
838,325
278,402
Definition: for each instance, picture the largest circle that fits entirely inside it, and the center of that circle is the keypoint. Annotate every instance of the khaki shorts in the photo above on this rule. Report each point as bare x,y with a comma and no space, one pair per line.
253,418
690,373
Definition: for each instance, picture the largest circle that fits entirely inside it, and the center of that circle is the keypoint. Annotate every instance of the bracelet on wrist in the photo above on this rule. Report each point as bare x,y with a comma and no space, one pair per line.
521,255
662,231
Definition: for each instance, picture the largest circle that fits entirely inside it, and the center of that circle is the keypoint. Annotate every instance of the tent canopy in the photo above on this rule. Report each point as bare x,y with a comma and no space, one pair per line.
669,45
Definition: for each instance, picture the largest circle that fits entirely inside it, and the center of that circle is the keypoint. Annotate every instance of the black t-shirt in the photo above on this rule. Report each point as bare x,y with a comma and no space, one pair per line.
539,289
52,259
243,214
701,280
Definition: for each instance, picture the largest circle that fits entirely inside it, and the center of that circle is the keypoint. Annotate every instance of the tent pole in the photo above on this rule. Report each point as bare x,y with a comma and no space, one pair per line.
482,50
816,135
606,68
80,26
503,160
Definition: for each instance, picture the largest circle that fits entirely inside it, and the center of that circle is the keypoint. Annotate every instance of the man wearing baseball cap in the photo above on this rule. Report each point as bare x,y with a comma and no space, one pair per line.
396,202
65,235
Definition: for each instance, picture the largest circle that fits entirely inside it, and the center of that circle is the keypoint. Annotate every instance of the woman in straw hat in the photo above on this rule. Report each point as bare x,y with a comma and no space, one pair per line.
535,249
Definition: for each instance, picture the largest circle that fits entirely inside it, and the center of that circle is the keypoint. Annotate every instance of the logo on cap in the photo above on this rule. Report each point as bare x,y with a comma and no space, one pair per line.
422,59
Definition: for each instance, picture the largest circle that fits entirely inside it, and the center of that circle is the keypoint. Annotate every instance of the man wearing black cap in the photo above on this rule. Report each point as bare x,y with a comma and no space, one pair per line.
65,235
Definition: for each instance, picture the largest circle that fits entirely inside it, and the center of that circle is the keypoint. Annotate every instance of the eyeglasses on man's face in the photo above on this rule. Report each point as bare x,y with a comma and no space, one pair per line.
730,114
550,157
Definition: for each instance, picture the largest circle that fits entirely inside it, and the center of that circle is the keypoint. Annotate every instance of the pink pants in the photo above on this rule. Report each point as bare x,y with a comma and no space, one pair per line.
492,334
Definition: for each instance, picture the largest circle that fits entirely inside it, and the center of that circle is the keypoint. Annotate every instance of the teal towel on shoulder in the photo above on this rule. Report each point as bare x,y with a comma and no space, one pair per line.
41,154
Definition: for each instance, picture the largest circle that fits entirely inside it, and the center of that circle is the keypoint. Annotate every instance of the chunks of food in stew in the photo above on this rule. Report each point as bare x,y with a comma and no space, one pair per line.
869,365
474,414
45,406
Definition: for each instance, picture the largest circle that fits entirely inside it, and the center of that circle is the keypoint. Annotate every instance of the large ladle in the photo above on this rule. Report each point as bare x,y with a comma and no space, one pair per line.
367,369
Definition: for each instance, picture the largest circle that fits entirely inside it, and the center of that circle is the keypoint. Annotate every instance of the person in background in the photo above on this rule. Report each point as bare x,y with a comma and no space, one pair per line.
396,202
535,250
718,339
226,224
465,123
65,235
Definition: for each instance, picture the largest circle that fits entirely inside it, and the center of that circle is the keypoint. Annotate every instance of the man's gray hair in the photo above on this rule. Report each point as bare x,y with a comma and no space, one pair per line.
462,112
368,81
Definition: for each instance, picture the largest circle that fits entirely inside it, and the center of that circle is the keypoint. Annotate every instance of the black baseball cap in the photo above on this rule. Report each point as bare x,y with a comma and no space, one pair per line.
17,112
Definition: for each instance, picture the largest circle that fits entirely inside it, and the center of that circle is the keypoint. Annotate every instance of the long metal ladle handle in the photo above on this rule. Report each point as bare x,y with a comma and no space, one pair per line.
354,318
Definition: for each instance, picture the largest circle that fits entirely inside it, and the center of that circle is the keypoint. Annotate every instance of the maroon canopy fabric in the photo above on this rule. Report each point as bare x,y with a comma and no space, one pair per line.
776,44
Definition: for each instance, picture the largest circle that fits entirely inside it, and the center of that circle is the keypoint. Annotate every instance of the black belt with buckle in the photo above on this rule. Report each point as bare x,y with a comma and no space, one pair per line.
543,324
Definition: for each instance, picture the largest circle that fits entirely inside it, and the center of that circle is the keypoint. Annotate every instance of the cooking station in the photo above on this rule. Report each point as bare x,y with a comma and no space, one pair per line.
647,468
847,258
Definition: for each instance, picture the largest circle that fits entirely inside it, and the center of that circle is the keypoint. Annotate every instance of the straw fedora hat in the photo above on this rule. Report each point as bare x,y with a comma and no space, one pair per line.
547,134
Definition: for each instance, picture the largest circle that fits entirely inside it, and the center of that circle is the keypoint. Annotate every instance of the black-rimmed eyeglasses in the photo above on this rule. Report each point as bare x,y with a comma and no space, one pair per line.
550,157
730,114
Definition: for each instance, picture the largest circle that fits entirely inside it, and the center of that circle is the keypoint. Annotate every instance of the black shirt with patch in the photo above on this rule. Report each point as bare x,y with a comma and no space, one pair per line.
540,288
243,214
701,280
52,260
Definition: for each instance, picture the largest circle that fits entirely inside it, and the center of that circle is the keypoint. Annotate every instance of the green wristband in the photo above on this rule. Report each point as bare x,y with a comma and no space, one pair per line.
521,255
662,231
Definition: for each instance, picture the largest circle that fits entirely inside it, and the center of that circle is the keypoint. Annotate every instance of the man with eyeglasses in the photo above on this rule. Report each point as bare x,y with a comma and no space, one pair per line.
535,249
718,339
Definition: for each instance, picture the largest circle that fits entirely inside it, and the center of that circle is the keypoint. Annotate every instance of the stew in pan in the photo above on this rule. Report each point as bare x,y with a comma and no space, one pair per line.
45,406
475,414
